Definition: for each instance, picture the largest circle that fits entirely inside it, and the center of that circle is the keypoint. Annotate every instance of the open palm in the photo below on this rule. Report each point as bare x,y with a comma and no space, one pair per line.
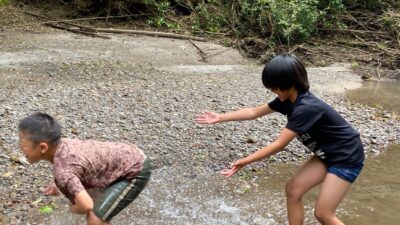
207,118
236,166
230,172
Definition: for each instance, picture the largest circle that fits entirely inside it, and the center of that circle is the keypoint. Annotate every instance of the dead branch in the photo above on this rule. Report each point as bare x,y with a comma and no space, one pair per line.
379,46
60,22
354,31
201,52
214,54
82,19
295,48
85,30
76,31
149,33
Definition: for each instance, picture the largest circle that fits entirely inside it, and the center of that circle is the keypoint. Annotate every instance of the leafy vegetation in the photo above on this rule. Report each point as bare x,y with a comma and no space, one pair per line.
263,27
286,20
3,2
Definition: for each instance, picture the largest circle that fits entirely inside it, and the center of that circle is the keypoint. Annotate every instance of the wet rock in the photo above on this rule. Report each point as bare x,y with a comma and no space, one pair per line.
251,140
4,156
387,115
75,131
7,174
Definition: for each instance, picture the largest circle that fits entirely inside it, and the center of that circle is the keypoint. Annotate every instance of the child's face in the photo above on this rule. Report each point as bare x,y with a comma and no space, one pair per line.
31,151
282,94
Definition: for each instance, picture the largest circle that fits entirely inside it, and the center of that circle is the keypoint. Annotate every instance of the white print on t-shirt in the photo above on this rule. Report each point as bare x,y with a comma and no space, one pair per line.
304,138
320,154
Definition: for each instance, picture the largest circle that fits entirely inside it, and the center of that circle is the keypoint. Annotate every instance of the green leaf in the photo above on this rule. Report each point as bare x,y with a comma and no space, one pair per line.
46,209
246,189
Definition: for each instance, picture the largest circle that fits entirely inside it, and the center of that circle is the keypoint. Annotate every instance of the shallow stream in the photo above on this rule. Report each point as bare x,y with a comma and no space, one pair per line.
259,198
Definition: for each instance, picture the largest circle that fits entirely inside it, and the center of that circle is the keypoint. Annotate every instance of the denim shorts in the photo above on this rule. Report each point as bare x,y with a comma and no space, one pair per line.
121,194
348,174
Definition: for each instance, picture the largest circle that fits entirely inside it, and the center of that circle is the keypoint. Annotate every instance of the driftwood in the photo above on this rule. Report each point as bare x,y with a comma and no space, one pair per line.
214,54
77,31
295,48
201,52
149,33
391,52
84,30
89,31
355,31
60,22
82,19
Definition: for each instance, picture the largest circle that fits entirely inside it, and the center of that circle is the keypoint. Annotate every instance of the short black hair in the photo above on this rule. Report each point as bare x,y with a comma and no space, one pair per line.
41,127
285,71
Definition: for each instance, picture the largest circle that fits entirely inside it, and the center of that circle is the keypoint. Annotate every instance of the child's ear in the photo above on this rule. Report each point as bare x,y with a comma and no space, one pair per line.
43,147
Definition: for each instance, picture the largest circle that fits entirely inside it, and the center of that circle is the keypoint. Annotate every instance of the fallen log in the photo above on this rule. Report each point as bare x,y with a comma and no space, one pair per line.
149,33
83,29
76,31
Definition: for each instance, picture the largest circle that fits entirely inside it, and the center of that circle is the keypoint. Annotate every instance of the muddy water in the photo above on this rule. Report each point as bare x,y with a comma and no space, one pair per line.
211,200
384,94
170,199
258,198
375,199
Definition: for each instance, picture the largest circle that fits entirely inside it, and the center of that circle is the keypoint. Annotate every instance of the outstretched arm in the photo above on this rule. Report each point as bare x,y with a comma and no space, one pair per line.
241,114
278,145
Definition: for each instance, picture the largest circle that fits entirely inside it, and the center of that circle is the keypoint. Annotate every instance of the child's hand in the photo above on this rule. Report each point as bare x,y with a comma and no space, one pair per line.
235,168
51,190
208,118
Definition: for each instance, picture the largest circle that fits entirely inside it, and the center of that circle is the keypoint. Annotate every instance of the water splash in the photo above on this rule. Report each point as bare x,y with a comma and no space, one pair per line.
210,200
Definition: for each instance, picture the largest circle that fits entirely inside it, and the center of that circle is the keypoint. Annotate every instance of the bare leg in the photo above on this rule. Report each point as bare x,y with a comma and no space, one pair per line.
333,190
92,219
309,175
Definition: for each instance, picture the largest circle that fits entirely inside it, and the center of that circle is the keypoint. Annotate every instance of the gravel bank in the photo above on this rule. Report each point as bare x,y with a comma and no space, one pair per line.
145,91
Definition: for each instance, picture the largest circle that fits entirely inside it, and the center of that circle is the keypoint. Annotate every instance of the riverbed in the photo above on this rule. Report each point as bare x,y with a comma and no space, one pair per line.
148,90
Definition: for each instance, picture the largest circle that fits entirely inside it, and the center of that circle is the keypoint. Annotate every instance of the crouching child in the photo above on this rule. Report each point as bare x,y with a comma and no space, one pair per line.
122,169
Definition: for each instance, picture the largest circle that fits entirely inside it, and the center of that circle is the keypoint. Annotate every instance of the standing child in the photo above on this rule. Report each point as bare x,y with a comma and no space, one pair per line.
80,165
339,153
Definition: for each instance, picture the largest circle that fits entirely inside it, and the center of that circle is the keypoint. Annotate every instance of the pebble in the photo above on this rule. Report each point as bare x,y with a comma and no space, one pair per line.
5,156
251,140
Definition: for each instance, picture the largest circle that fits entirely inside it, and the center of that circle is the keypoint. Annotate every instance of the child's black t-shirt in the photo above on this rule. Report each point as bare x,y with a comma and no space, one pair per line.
322,130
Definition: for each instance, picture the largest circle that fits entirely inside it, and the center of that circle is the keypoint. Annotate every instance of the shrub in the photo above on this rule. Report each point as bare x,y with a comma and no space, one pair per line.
211,16
3,2
288,20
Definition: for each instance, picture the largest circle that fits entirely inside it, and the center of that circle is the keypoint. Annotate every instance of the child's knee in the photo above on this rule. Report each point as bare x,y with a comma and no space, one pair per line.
291,190
323,215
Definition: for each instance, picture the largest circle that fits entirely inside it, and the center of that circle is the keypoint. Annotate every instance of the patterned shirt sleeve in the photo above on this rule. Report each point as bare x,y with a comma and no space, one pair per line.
69,184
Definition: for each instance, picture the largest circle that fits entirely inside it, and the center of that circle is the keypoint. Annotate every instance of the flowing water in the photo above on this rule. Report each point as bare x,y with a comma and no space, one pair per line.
259,199
211,200
375,199
385,94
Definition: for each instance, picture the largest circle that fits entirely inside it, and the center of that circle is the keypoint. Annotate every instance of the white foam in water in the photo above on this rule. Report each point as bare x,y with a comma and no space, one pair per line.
201,201
224,208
